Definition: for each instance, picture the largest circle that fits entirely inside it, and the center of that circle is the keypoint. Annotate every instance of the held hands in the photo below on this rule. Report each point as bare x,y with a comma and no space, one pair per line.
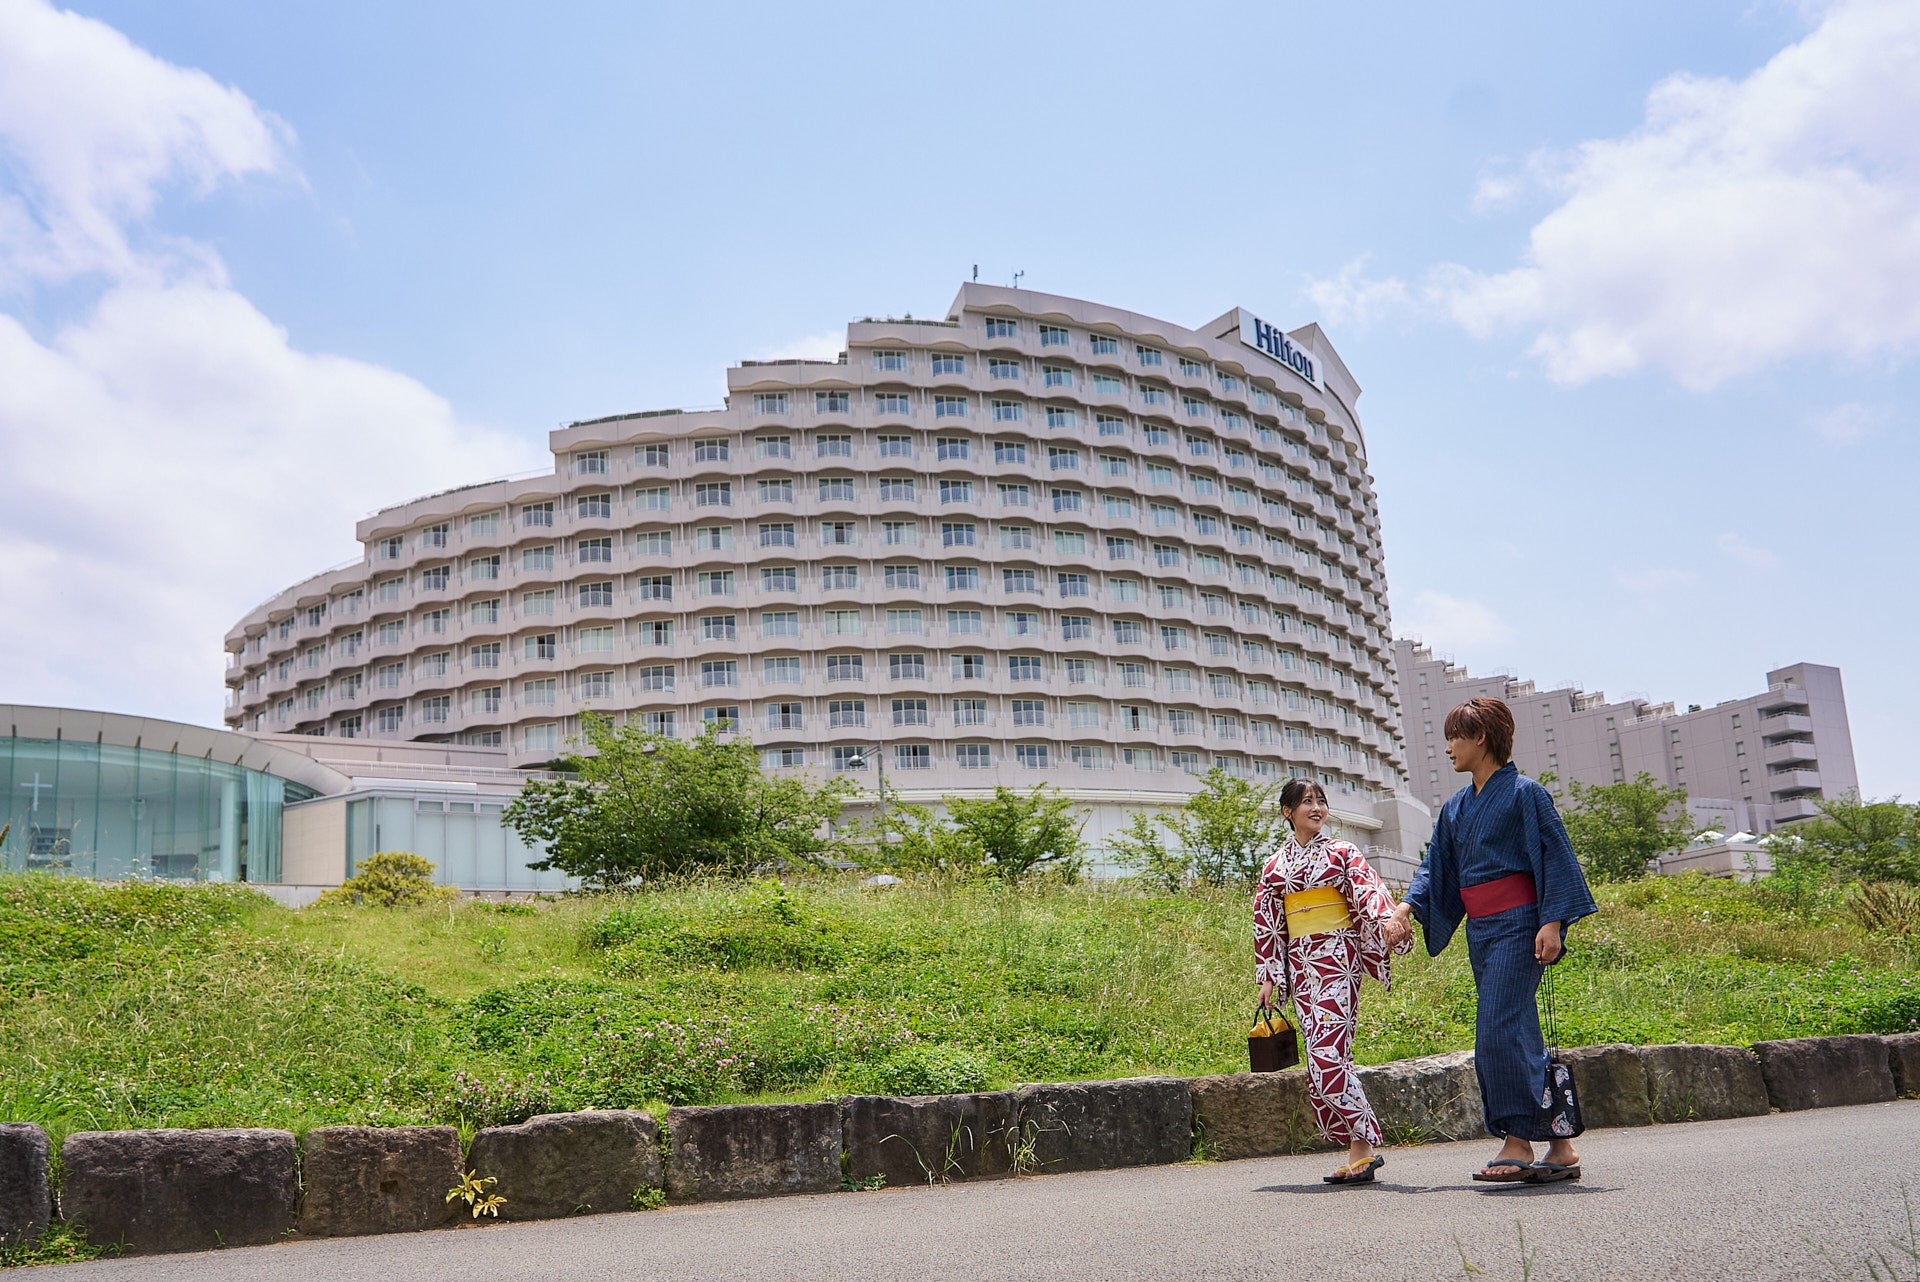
1546,944
1399,927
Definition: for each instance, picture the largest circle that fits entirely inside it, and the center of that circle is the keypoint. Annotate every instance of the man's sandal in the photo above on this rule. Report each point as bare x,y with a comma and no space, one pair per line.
1518,1171
1356,1172
1545,1172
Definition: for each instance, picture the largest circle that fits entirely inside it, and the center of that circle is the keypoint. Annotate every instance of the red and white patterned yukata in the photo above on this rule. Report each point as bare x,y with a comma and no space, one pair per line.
1326,971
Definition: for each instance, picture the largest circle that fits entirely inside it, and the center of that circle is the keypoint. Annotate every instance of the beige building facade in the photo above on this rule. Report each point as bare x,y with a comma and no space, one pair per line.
1040,540
1748,765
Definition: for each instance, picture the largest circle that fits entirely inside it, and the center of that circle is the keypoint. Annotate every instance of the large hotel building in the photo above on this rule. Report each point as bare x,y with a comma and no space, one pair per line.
1039,540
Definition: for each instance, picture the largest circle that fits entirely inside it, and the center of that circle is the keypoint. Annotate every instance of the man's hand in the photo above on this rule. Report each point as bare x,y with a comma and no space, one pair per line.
1400,925
1546,944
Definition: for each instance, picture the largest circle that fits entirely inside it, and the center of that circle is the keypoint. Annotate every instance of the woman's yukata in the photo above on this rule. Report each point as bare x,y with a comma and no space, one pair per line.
1485,844
1325,971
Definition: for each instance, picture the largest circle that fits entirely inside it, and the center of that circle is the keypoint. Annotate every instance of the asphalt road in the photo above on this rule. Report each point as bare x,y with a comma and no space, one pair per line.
1794,1196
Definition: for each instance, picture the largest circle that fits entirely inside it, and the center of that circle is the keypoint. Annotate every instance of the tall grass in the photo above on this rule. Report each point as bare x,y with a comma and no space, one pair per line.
151,1005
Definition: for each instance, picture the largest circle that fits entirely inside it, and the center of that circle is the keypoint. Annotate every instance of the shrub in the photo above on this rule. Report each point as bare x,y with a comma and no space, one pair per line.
923,1069
1887,907
390,879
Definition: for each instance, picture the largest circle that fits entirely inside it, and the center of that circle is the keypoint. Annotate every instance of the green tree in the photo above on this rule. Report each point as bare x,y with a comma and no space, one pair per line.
1219,836
912,838
1017,835
390,878
1856,840
1617,827
644,807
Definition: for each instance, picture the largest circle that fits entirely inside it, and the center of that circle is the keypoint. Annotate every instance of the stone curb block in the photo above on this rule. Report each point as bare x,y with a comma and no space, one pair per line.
175,1190
1825,1072
1254,1114
929,1139
1903,1057
561,1164
716,1152
379,1179
1703,1083
1090,1126
1612,1083
26,1203
1433,1097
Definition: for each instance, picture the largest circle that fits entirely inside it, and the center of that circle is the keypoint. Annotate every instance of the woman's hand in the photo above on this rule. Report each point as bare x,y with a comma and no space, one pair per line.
1400,925
1266,992
1546,944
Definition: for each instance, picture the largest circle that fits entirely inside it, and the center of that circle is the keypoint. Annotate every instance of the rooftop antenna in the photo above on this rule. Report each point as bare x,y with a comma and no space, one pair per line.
976,271
1016,279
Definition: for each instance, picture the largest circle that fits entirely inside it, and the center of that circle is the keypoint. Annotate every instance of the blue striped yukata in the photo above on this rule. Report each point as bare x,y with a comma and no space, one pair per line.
1509,826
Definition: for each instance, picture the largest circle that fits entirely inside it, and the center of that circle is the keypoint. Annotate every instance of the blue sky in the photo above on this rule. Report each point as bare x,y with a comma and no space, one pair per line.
1633,290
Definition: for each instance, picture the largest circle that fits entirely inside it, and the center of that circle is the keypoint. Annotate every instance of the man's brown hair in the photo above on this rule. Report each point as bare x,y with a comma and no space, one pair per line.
1487,719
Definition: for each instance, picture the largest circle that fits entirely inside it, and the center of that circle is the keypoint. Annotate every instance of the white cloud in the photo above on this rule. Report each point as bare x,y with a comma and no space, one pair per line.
1450,622
1845,424
171,458
1745,553
1745,222
817,347
1351,297
1653,579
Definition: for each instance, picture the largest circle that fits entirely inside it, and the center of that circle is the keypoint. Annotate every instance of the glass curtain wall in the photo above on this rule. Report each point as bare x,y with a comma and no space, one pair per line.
98,810
464,838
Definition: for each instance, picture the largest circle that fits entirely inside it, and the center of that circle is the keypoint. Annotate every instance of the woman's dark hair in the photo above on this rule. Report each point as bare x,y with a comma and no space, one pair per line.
1296,792
1484,718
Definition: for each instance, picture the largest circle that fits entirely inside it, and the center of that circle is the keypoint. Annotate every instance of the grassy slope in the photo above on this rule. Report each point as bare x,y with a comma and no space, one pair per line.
151,1005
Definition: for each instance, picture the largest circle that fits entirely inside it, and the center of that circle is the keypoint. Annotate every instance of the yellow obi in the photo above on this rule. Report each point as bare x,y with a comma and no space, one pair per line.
1316,912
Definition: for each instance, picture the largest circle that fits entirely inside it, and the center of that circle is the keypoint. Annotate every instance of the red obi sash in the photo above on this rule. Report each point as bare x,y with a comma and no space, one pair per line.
1498,895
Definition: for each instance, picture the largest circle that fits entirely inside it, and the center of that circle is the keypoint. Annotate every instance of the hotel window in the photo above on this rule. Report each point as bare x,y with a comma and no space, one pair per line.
1111,425
833,445
655,632
484,656
836,489
655,587
781,671
432,665
657,677
1075,585
1195,407
596,685
483,525
435,621
1059,416
837,533
436,578
842,713
1202,484
434,536
658,723
908,622
1007,412
900,533
539,693
1121,549
1079,671
389,549
965,623
719,672
1000,327
1103,345
653,543
593,641
1070,542
1016,537
771,447
1053,336
777,534
1056,376
537,515
1004,369
776,491
586,551
388,633
388,676
1009,451
956,491
1150,395
1147,355
769,402
1067,500
842,623
780,578
1031,755
388,720
1024,667
949,407
832,402
973,756
1115,465
912,756
710,451
1129,631
656,498
1019,581
895,446
537,602
846,667
1125,589
1029,712
1062,459
350,726
890,361
898,489
595,594
907,667
1192,369
949,363
716,582
711,494
1014,495
902,576
963,578
1158,436
785,716
546,645
1134,674
592,506
652,455
839,578
779,623
1076,627
591,463
1173,637
719,627
1199,446
727,719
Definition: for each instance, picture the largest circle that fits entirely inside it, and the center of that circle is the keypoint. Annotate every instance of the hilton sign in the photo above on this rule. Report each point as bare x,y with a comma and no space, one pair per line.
1257,334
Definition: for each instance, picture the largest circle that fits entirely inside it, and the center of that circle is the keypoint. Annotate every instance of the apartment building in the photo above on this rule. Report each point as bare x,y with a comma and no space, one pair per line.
1041,539
1748,765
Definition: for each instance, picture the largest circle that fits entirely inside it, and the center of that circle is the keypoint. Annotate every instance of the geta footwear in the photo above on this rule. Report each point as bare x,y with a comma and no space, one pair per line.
1521,1171
1545,1172
1356,1172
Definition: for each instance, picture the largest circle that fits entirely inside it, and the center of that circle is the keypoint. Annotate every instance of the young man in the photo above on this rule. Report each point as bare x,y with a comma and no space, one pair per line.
1500,858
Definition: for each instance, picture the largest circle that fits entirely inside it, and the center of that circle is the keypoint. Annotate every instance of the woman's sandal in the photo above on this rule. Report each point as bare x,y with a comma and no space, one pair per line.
1356,1172
1522,1171
1545,1172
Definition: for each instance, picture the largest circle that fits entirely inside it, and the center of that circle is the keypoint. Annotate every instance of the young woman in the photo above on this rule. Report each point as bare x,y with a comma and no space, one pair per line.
1500,858
1321,912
